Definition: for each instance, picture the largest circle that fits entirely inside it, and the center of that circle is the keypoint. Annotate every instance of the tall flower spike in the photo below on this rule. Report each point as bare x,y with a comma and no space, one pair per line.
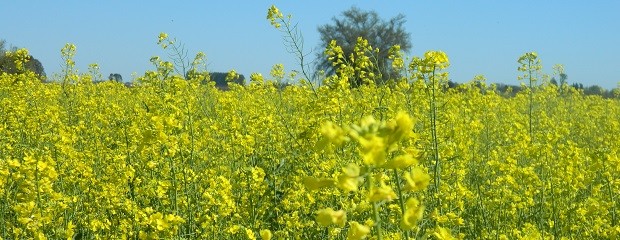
273,14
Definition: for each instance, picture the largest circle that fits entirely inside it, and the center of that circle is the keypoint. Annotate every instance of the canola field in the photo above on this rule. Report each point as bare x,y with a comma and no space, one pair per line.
176,158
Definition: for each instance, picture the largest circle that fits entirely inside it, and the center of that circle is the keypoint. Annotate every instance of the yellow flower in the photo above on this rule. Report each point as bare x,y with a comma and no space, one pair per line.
357,231
174,219
349,179
382,193
277,71
438,58
395,55
233,229
70,231
273,14
351,170
328,216
372,150
413,213
250,234
442,234
416,180
265,234
158,221
312,183
401,162
256,78
232,76
348,183
402,125
333,134
162,36
13,163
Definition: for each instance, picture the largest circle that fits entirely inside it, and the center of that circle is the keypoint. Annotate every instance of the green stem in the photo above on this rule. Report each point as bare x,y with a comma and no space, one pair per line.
611,197
531,99
295,43
174,185
37,187
433,112
375,209
400,198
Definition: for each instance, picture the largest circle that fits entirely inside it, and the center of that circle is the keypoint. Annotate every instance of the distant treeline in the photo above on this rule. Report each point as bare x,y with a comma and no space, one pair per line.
218,77
511,90
7,62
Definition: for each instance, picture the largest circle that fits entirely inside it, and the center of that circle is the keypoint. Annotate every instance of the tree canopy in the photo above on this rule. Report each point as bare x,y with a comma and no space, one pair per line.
115,77
220,79
356,23
7,63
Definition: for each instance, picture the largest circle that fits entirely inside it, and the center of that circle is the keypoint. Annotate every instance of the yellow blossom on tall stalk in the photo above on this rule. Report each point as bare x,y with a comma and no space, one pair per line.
277,72
256,78
232,76
438,58
273,14
396,56
21,57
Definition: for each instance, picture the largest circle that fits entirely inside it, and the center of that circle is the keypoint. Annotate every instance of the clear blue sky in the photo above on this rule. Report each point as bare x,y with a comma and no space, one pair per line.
480,37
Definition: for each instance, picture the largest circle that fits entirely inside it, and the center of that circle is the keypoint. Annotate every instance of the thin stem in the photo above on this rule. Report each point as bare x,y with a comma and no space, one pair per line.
375,210
401,201
531,100
611,197
294,40
434,134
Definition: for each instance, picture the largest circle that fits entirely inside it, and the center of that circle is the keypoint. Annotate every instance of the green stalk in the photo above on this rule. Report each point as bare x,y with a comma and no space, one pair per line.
400,198
174,185
186,192
37,187
433,112
611,197
294,41
375,210
554,212
531,101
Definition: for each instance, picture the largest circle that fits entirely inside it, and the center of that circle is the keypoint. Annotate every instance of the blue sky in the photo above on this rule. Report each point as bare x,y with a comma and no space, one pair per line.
480,37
